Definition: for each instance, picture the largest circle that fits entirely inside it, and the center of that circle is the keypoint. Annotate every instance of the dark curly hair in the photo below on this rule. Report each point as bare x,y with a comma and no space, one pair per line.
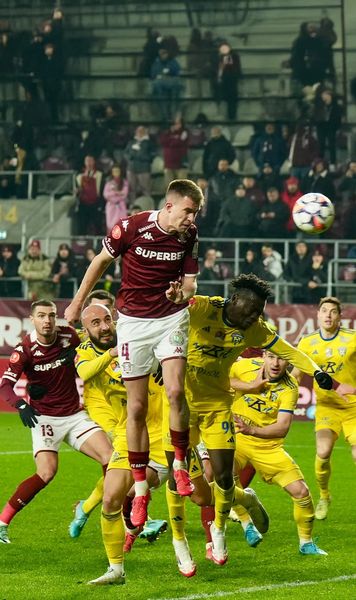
251,283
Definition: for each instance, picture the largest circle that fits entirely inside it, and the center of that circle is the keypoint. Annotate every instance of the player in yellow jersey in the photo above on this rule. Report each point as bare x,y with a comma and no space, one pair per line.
97,365
333,348
266,396
220,330
101,412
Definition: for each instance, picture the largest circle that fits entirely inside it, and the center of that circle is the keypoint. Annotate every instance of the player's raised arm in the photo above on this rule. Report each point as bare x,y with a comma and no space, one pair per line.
254,387
302,362
95,270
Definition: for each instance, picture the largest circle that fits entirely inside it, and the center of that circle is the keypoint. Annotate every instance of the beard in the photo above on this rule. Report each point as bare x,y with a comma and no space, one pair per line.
104,345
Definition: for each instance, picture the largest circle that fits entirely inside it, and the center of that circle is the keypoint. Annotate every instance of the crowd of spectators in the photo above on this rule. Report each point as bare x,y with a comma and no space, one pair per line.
249,193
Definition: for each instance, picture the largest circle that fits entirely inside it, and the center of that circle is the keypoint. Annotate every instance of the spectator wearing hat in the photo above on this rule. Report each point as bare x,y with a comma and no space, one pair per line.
115,194
273,216
64,268
9,264
236,215
290,195
35,269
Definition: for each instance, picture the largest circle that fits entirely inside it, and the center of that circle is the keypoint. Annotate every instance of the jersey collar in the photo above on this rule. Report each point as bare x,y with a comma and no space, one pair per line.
329,339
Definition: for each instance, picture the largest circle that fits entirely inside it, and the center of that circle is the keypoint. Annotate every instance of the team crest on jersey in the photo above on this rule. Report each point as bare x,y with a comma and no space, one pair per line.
116,232
273,396
65,343
177,338
126,367
236,338
15,357
328,352
342,350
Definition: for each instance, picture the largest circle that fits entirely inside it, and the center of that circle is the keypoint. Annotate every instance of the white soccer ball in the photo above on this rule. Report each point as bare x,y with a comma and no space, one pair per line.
313,213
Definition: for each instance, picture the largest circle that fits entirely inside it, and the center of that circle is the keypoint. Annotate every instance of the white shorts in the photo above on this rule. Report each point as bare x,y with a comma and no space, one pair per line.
50,432
161,470
143,342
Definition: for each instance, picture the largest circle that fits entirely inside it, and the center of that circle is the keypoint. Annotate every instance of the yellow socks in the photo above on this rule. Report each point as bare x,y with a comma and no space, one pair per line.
322,473
113,532
95,497
176,509
304,517
223,503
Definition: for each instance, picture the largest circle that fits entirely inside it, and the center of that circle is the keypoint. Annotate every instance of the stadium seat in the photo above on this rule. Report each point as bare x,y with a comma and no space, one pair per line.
243,136
250,167
157,166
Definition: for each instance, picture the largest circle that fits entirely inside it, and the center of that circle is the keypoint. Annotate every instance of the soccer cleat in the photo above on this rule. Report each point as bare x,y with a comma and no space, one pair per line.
209,551
152,529
219,553
138,513
111,577
186,564
252,535
80,518
321,511
233,516
183,482
4,538
311,548
257,511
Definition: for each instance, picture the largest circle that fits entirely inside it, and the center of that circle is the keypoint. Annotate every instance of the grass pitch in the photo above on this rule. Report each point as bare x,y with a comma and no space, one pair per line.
44,563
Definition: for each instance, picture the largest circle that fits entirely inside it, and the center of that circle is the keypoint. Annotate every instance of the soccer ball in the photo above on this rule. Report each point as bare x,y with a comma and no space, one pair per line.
313,213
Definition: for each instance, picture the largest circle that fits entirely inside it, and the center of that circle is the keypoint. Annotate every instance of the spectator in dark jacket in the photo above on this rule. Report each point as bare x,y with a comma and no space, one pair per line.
311,57
269,178
303,149
298,270
221,187
273,216
236,215
226,77
253,264
139,154
319,180
253,191
150,52
9,265
316,287
217,148
327,116
166,84
64,268
348,182
210,271
51,74
175,143
269,147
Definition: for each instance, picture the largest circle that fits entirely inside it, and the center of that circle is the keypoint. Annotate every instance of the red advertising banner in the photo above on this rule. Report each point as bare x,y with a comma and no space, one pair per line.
291,320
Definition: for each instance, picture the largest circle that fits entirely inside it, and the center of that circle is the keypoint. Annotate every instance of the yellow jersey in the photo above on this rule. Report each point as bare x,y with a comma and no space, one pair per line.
336,356
102,378
262,409
212,349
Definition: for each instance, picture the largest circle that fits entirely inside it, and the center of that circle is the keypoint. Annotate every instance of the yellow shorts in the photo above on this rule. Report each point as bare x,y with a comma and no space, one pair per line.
119,458
337,419
273,463
102,413
215,429
195,465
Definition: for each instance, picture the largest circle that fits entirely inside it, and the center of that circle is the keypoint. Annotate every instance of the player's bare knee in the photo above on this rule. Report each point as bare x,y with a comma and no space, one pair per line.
353,452
47,473
175,395
300,490
137,411
324,451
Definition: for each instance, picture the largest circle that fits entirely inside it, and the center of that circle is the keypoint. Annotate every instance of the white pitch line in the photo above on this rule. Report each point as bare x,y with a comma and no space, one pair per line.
262,588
